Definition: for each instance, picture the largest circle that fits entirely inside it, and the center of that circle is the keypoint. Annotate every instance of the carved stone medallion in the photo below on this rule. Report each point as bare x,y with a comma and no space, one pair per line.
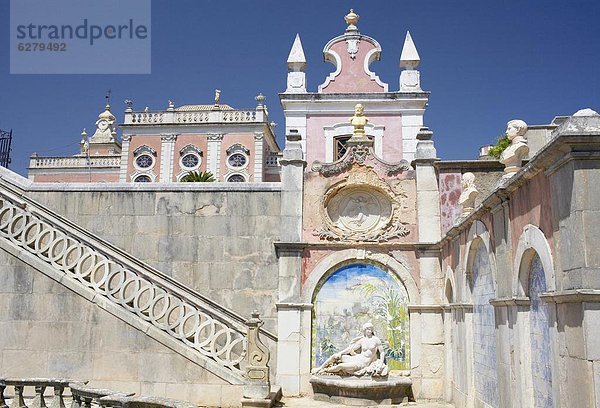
355,209
361,208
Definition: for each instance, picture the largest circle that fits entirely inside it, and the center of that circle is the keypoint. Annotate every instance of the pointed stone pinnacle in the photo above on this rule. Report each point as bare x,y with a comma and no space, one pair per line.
296,59
409,58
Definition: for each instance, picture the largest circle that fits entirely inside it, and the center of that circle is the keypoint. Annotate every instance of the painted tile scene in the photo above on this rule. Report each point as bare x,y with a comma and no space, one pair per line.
352,296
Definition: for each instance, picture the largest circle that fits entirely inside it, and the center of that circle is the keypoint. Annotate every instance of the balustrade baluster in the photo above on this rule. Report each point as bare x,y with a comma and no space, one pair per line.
38,401
2,400
58,400
76,401
87,402
18,401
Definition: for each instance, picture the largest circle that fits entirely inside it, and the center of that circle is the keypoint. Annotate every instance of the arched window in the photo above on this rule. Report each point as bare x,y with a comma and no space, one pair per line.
142,179
236,178
340,147
144,161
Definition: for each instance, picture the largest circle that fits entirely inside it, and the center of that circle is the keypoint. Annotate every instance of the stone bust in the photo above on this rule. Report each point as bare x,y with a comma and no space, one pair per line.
514,154
364,355
468,194
359,120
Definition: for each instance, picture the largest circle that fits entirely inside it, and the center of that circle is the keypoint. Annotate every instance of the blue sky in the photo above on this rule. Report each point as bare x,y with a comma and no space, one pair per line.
485,63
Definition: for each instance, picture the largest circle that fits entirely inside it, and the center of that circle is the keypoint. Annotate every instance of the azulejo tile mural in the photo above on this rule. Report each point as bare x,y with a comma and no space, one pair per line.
356,294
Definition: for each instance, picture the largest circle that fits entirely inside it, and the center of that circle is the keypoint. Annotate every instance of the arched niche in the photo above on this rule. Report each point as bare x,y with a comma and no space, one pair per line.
533,274
480,270
532,242
449,286
349,288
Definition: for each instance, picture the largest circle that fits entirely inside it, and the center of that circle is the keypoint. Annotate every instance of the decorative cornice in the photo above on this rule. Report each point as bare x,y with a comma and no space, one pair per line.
510,301
572,296
358,153
462,306
215,138
168,138
552,156
237,147
293,306
144,149
425,308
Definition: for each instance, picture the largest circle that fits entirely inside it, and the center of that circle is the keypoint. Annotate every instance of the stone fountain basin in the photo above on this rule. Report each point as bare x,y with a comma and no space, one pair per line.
361,391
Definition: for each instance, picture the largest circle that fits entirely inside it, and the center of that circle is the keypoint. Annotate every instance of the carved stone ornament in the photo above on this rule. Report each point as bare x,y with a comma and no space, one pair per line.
362,208
352,47
358,153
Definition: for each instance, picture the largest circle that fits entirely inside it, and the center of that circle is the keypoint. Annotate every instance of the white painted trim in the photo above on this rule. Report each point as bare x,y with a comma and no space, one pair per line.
148,173
124,159
332,57
371,56
212,155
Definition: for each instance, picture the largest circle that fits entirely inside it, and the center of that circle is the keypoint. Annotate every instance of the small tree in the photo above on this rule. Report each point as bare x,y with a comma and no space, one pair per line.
502,143
198,177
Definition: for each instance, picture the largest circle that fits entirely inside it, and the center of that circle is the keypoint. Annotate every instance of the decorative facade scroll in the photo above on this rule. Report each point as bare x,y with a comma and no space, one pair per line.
358,154
362,208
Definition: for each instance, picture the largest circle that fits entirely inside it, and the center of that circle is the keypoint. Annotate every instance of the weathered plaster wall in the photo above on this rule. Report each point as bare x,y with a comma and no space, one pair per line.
532,204
352,77
219,243
48,331
391,141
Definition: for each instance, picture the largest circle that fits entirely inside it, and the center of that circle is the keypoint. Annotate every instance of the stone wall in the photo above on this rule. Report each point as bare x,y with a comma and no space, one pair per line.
50,331
219,243
540,232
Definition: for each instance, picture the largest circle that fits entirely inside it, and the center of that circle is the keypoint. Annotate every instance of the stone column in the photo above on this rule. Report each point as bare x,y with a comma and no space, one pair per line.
166,157
259,141
431,282
293,361
213,156
124,158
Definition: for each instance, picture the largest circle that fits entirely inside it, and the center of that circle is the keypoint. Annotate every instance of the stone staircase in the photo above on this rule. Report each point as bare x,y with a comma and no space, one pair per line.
185,321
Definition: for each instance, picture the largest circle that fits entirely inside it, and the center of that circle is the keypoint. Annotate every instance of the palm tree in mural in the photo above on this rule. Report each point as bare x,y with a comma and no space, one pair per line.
389,305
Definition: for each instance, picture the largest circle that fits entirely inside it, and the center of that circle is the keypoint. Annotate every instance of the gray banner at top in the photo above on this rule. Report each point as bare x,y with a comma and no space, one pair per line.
80,37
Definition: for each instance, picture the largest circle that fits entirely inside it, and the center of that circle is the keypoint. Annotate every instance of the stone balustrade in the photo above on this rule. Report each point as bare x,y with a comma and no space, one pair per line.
130,289
75,161
195,117
82,396
39,385
124,401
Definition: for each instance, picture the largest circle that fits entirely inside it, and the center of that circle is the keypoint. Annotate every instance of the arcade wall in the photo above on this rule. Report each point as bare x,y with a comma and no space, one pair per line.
522,286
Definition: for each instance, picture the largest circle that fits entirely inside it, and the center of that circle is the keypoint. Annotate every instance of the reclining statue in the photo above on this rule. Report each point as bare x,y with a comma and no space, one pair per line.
363,356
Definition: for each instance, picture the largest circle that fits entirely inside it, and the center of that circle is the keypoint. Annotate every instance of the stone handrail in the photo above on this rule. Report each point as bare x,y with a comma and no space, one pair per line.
75,161
258,115
40,385
124,401
84,396
125,286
